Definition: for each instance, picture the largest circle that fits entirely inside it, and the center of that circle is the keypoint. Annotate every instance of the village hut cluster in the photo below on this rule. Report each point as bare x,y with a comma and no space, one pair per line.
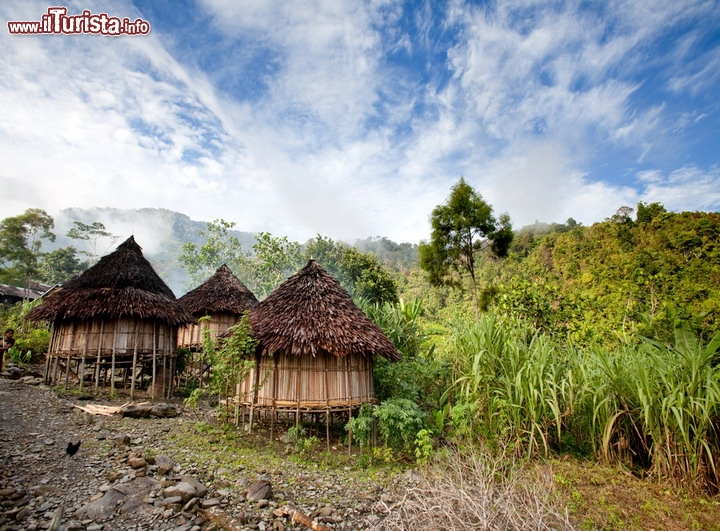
120,323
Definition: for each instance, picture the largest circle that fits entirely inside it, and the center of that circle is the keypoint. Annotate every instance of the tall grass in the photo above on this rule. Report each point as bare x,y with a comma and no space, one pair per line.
649,406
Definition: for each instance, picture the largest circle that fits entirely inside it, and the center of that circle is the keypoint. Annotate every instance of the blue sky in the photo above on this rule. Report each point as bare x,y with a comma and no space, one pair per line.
352,119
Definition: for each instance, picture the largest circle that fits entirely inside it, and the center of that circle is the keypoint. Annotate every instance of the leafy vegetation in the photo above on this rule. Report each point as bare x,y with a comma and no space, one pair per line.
31,339
462,230
273,259
231,361
20,241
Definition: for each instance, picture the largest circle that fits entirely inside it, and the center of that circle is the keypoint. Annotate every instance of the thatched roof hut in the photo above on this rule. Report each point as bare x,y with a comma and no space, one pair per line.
223,297
322,347
116,314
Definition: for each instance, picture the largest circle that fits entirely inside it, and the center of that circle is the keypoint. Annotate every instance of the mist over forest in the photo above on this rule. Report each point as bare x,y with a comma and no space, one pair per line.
160,232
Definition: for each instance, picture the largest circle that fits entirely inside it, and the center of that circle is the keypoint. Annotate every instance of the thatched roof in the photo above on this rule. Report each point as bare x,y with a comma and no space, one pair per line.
222,292
121,284
311,312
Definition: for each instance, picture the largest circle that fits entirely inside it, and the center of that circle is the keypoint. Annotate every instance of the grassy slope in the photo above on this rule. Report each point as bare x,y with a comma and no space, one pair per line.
600,497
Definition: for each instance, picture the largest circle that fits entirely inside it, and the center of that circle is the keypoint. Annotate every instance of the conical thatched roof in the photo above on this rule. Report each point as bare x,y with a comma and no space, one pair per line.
121,284
222,292
311,312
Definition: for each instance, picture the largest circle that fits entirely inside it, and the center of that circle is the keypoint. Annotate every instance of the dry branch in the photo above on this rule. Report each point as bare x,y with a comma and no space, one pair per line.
219,518
300,518
97,409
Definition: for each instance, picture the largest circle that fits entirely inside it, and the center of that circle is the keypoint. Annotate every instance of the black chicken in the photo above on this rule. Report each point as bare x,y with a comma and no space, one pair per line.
72,448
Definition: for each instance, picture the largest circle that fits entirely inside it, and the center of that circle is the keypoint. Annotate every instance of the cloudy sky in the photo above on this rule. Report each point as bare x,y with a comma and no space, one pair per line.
354,118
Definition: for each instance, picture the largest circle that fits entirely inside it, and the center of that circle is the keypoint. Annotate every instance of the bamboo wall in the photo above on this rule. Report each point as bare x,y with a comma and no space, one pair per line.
306,382
108,350
190,336
119,336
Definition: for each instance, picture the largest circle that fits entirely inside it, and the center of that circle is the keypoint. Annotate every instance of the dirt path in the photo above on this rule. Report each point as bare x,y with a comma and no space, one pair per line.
37,477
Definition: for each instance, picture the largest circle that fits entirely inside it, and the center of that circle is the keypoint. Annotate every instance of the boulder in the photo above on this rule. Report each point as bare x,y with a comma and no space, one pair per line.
260,490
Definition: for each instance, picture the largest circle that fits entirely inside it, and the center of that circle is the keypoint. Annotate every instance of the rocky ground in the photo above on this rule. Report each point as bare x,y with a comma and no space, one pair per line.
159,473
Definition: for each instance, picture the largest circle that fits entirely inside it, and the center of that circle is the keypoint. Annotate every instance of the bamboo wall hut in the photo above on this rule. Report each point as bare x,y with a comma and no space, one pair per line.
223,298
118,317
315,348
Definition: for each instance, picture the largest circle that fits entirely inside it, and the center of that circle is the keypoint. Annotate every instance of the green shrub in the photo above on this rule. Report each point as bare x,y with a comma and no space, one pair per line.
398,421
17,356
361,426
34,341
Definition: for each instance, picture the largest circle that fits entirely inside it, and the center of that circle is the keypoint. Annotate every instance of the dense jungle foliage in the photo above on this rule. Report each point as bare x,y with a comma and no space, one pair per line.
598,341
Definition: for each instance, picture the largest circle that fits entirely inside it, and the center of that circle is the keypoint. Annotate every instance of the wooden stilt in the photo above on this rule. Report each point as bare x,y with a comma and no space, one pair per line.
327,409
55,369
134,363
48,360
327,428
297,390
171,374
272,423
348,394
67,364
97,365
154,360
81,367
349,432
112,363
164,374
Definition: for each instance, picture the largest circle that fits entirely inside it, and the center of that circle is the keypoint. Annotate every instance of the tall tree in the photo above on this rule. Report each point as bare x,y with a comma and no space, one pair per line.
90,235
20,242
462,229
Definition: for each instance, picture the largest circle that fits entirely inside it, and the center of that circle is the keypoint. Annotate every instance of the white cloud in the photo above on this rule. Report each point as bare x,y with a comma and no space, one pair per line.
685,189
341,140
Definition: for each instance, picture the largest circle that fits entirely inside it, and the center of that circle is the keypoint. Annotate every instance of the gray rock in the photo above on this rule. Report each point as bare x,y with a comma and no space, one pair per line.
102,508
260,490
135,411
184,490
164,464
171,500
164,411
199,487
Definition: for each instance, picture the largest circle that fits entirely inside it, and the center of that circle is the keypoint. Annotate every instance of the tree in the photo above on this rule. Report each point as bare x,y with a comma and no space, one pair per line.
646,213
361,274
220,248
462,228
90,236
20,242
60,265
274,260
